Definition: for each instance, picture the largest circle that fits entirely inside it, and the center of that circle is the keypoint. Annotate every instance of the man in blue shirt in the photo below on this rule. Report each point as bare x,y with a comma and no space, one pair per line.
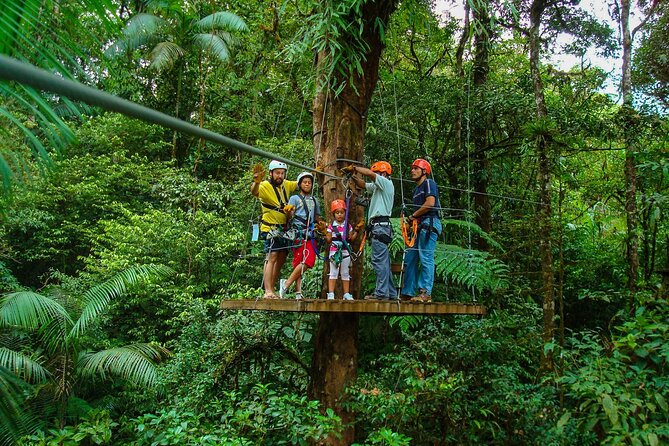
419,260
380,230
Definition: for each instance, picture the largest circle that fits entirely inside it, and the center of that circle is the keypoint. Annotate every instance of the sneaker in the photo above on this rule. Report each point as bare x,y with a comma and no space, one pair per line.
348,296
298,296
372,297
330,296
282,288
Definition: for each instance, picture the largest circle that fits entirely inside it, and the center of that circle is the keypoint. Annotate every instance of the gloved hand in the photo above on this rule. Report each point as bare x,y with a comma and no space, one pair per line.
321,227
258,173
287,209
350,169
360,226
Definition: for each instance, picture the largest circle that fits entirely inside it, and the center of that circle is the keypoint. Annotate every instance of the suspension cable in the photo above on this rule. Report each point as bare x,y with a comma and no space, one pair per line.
25,73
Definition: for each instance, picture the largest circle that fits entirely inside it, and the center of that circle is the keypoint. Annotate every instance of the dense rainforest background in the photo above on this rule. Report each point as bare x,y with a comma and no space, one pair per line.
120,238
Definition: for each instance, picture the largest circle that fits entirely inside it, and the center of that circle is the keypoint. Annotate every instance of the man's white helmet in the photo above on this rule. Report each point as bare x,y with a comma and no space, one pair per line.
274,164
305,175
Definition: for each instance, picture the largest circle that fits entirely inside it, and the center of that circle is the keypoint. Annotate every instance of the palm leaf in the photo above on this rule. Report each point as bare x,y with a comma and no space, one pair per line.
98,298
14,422
29,310
26,33
213,45
22,366
164,55
470,268
135,363
222,20
140,30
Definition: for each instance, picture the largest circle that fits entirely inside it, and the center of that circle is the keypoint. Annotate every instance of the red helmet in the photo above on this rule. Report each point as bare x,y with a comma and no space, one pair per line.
382,167
337,204
422,164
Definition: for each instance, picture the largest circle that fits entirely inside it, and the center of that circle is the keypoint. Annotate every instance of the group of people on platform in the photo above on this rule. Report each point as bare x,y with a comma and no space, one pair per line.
291,222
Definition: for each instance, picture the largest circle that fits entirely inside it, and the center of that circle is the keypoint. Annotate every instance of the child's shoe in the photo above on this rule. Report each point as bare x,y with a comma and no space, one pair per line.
298,295
348,296
330,296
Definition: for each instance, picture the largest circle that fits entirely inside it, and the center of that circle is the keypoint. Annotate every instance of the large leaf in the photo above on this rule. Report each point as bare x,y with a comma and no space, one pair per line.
214,45
97,298
135,363
14,422
22,366
142,29
470,268
164,55
29,310
222,20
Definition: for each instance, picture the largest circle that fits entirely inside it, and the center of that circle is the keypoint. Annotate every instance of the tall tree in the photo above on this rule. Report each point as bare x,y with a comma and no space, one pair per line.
543,141
171,33
628,113
348,37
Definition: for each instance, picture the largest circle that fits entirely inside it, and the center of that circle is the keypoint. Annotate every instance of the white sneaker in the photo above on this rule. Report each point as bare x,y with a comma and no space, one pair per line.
282,288
298,296
330,296
348,296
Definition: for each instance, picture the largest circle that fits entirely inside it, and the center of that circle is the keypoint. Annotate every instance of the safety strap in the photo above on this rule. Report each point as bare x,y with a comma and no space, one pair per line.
282,202
306,208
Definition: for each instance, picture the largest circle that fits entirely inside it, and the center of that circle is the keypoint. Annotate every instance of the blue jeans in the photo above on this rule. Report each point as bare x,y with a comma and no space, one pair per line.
419,261
381,263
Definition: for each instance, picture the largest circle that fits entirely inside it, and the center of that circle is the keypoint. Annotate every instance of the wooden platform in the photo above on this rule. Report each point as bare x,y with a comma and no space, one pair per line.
353,306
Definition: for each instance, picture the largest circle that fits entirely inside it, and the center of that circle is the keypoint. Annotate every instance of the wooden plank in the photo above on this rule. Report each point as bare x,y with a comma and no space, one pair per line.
353,306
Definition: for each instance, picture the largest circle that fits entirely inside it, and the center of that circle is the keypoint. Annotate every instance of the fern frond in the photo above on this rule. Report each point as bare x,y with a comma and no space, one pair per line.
474,228
471,268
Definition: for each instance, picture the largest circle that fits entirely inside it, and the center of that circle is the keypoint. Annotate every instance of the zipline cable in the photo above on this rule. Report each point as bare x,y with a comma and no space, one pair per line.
25,73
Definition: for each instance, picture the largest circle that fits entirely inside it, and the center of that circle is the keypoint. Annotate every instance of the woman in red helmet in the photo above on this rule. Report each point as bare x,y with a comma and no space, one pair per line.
419,260
380,229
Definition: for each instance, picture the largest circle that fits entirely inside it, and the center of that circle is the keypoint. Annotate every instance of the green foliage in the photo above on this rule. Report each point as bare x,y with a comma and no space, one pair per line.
52,224
94,428
470,268
336,29
464,381
261,416
50,348
38,117
618,389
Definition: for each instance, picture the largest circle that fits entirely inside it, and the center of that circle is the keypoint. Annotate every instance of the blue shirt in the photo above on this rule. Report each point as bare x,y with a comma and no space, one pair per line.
427,188
303,215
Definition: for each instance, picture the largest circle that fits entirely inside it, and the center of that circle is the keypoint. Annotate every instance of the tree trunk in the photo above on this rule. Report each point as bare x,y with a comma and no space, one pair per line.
544,177
339,123
334,366
630,164
480,128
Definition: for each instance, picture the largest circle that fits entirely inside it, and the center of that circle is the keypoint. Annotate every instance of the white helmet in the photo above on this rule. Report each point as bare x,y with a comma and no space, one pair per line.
274,164
304,175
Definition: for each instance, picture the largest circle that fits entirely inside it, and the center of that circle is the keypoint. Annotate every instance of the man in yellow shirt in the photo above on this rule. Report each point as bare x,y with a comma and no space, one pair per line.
273,194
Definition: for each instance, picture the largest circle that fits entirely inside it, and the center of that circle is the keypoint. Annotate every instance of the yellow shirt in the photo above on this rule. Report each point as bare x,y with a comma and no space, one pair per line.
268,196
